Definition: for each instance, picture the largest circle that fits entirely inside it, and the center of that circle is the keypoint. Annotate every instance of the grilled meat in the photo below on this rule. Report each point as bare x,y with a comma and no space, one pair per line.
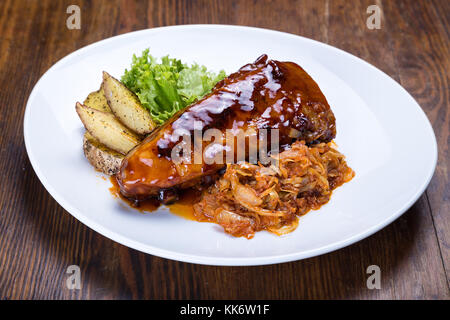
265,94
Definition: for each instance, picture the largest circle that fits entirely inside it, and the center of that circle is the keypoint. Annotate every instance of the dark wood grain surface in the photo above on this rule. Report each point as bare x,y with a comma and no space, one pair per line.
39,239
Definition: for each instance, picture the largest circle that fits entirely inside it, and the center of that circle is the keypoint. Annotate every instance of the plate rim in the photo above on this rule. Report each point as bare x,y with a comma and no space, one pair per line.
208,260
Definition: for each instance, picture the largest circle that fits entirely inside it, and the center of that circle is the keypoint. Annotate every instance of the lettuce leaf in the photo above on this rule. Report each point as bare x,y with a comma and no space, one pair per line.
168,86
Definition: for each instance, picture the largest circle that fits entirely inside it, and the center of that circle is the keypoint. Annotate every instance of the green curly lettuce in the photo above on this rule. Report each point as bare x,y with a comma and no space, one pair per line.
168,86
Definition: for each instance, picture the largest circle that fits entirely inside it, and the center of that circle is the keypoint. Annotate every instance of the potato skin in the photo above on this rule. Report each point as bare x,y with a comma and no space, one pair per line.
110,134
101,157
97,100
105,127
126,106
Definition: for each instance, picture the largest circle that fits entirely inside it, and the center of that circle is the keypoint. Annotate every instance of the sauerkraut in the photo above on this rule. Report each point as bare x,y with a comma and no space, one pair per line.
249,198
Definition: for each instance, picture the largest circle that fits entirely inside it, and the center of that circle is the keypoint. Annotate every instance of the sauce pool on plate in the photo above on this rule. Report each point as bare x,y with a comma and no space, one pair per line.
183,207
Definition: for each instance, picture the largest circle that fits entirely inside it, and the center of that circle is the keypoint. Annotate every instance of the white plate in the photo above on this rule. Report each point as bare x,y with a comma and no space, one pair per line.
383,132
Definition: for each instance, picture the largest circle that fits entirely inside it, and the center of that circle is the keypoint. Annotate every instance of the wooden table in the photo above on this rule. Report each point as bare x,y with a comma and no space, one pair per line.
39,240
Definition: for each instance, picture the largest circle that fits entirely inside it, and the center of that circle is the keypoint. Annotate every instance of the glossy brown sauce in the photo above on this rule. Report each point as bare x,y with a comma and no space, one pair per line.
183,207
148,205
261,95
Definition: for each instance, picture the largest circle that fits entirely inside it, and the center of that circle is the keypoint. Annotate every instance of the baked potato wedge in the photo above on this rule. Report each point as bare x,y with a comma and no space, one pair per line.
105,128
97,100
101,157
126,106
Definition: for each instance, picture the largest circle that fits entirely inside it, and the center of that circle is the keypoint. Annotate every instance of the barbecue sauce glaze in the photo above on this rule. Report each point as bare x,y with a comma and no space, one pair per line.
261,95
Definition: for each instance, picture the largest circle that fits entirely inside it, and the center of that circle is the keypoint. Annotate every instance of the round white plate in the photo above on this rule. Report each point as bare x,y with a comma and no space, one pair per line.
383,132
